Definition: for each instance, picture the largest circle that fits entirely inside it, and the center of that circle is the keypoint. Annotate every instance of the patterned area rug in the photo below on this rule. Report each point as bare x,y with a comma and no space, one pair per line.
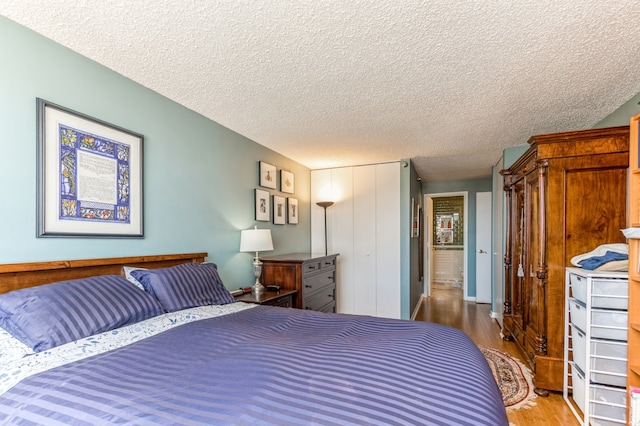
514,379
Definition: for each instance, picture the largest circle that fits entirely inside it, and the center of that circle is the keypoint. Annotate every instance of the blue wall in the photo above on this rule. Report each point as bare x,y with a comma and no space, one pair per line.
199,176
471,186
511,155
411,291
622,115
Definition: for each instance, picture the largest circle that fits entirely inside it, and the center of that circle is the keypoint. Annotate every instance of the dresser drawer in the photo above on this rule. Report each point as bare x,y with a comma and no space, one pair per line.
318,300
329,308
317,265
317,282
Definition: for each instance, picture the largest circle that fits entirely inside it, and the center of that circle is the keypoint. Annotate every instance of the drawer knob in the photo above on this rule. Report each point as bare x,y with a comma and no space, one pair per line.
308,286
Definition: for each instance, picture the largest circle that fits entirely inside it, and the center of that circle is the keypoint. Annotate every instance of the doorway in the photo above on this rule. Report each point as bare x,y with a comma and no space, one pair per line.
445,251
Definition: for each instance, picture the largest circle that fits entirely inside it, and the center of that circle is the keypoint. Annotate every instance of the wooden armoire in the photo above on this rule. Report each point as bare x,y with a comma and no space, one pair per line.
565,196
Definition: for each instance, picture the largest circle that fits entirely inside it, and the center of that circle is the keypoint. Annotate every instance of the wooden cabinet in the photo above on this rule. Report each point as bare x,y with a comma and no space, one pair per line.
633,355
314,278
566,195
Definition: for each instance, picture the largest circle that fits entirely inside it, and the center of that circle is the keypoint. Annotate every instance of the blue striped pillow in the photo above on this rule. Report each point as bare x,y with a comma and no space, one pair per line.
185,286
50,315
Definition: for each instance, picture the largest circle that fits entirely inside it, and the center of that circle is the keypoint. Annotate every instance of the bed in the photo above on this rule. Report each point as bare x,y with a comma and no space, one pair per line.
87,343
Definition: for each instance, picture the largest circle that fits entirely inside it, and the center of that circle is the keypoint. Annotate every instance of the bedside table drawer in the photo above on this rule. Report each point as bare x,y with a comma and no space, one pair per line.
321,298
285,301
285,298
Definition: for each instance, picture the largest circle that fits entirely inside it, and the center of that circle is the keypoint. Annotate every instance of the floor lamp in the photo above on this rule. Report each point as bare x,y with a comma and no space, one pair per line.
324,205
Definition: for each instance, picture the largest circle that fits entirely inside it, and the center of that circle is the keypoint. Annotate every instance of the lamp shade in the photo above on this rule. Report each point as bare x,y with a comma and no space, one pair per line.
256,240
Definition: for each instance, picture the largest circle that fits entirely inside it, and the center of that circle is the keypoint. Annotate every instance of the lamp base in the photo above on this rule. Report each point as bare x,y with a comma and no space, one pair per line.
257,288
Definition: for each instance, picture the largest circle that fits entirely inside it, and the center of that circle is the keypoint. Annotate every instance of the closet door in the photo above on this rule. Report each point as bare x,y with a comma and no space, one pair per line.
341,237
364,240
387,245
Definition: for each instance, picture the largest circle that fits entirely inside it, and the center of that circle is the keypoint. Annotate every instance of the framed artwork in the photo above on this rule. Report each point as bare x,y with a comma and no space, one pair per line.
279,210
292,211
262,205
445,221
267,175
89,176
445,237
286,181
415,218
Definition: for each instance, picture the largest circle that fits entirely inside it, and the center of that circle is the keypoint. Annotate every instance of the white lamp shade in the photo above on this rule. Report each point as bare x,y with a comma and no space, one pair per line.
256,240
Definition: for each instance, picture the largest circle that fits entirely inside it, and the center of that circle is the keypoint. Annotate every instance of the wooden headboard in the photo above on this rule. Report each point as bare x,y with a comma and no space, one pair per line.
22,275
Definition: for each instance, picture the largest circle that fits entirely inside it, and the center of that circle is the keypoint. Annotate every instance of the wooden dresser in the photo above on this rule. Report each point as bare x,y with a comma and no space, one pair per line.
633,354
314,276
566,196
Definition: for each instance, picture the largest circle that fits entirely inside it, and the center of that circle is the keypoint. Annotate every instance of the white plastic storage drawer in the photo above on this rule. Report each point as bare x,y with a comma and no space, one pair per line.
579,342
608,362
605,293
578,314
577,380
609,324
609,403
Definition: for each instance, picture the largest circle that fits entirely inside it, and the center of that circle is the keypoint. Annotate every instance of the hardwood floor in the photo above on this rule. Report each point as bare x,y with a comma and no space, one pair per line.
447,307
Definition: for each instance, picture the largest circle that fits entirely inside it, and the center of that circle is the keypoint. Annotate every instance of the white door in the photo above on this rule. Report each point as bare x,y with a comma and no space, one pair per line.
388,245
483,247
498,243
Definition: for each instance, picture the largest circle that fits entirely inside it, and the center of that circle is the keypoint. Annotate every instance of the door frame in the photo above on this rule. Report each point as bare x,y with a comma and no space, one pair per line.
428,220
484,226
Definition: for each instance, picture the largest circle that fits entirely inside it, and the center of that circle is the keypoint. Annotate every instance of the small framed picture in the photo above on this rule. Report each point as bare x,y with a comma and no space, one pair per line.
286,181
267,175
415,218
279,210
445,237
262,205
292,211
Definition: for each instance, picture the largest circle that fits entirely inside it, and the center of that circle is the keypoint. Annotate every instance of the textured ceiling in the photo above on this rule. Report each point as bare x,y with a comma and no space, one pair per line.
330,83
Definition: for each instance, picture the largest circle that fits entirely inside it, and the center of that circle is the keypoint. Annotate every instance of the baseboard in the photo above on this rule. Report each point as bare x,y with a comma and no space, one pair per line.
470,299
417,308
494,315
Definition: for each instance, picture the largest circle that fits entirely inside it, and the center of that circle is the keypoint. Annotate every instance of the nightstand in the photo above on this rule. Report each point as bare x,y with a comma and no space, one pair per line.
283,298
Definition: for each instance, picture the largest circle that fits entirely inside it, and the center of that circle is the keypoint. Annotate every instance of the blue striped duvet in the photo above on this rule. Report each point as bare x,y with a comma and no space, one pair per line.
274,366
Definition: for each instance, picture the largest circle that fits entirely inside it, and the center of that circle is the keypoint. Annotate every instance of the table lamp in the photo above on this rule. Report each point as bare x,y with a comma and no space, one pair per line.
256,240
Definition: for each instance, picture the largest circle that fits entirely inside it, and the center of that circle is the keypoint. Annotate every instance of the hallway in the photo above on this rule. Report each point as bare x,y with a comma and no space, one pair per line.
446,306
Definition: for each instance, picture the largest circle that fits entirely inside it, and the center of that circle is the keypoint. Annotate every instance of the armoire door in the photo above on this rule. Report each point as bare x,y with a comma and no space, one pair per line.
518,269
534,307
